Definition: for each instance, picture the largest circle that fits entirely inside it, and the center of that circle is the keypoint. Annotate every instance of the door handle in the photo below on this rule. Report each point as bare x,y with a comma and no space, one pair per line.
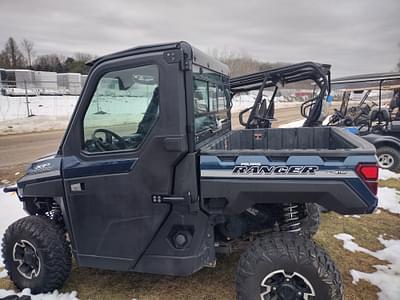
77,187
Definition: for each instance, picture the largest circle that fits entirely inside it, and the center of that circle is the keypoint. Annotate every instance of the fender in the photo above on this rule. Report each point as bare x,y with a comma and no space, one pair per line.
377,139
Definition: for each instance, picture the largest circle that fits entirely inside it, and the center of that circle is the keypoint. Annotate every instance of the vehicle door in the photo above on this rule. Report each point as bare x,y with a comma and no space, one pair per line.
126,136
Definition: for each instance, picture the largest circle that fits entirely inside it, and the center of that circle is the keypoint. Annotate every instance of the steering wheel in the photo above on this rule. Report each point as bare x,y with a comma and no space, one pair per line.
338,113
108,144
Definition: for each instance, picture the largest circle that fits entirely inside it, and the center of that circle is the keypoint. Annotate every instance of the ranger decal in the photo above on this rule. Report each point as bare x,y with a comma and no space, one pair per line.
278,170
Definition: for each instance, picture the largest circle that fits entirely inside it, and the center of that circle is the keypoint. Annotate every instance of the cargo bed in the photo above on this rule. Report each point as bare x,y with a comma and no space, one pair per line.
326,141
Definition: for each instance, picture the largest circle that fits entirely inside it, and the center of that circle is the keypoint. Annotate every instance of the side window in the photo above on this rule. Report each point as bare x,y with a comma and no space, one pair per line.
123,110
212,88
222,98
200,97
203,120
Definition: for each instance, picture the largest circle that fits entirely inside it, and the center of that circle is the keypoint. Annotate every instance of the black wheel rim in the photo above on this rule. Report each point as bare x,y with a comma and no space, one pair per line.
27,260
281,285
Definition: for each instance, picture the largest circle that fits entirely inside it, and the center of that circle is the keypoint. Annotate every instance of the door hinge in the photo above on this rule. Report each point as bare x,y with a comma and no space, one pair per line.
173,56
177,56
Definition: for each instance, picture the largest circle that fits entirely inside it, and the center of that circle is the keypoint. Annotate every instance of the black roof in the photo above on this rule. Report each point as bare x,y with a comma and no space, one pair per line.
367,81
198,57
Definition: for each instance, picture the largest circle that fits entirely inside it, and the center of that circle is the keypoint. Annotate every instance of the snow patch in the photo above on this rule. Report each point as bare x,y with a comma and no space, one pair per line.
326,120
389,199
295,124
386,277
49,296
385,174
242,101
348,243
10,211
3,274
12,108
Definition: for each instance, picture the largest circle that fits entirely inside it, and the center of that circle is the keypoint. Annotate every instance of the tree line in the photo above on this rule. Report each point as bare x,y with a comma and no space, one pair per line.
241,63
22,55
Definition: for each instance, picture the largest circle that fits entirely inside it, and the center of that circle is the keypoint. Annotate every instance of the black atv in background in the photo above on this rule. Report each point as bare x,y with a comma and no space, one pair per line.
150,177
378,121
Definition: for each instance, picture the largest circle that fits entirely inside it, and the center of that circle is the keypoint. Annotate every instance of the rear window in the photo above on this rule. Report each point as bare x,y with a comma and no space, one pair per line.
211,99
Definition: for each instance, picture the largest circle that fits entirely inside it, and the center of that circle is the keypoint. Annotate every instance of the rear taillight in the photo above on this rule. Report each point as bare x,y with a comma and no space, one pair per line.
369,174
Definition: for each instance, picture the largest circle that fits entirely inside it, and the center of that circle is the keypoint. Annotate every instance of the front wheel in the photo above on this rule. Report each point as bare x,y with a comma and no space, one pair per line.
287,266
36,254
388,158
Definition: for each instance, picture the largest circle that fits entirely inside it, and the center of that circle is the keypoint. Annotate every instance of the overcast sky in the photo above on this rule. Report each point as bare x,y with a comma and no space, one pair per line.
354,36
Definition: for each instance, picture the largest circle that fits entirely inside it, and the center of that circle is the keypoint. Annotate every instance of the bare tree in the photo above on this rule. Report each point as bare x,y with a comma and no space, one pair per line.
49,62
241,63
27,47
11,56
238,62
83,57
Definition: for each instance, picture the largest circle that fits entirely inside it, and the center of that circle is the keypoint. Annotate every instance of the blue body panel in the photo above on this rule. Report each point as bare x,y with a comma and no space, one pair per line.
340,171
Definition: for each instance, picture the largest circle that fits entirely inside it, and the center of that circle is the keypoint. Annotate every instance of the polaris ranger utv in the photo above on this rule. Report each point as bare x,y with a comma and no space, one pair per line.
377,122
150,177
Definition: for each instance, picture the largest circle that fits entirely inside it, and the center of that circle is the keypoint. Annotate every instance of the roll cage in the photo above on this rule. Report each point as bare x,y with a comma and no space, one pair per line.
261,115
364,115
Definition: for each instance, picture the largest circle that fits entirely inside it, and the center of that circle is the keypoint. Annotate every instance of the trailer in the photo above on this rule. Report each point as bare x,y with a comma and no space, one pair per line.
19,82
69,83
46,82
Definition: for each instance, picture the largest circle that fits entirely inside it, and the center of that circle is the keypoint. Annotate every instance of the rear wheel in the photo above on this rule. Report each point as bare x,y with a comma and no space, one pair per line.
388,158
36,254
311,222
287,266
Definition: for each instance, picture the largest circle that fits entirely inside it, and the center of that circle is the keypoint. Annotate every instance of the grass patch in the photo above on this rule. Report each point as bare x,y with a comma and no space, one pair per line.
390,183
365,230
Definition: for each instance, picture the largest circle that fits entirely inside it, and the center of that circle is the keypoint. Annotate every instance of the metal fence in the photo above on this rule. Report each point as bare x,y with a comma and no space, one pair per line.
26,98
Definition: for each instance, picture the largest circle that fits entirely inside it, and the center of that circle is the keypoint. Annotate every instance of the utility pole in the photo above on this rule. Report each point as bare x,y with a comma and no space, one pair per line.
27,100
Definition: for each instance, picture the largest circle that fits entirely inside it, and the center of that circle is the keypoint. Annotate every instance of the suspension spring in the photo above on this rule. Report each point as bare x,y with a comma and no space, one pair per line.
291,218
55,212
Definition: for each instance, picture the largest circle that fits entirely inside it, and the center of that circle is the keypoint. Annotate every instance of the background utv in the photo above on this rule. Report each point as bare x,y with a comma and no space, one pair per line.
150,178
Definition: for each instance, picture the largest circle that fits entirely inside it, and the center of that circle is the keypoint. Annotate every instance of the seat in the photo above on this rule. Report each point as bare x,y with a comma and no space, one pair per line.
395,105
150,114
381,116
